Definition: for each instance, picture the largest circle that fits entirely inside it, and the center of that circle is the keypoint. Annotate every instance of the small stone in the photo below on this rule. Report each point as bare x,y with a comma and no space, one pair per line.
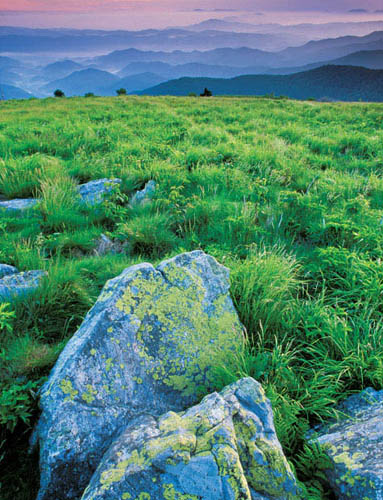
145,195
225,448
6,270
94,192
18,205
20,285
354,445
105,246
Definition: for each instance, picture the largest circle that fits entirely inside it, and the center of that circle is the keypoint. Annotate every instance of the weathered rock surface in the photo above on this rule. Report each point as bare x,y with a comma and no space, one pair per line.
145,195
13,286
18,204
94,192
105,246
225,448
355,446
6,270
147,346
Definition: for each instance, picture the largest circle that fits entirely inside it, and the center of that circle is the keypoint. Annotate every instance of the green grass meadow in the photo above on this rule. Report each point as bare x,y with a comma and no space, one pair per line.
287,194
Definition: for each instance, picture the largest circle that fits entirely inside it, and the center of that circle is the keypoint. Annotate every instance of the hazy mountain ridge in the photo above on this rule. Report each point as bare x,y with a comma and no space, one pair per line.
12,92
311,52
334,82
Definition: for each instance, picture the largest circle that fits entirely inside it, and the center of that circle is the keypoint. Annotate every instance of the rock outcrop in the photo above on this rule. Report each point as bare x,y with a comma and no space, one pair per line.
6,270
225,448
19,285
354,445
147,346
94,192
144,196
18,204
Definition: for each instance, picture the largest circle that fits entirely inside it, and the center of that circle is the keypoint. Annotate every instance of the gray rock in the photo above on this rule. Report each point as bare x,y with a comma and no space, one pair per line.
94,192
19,285
354,445
145,195
6,270
225,448
105,246
147,345
18,205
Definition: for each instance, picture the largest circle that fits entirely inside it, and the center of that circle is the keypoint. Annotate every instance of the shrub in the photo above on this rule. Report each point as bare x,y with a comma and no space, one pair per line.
58,93
206,93
121,92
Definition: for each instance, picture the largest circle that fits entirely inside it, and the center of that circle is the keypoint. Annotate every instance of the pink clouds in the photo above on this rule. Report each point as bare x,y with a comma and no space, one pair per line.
72,5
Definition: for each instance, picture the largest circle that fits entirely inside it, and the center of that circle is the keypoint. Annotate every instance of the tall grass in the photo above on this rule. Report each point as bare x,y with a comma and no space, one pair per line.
288,195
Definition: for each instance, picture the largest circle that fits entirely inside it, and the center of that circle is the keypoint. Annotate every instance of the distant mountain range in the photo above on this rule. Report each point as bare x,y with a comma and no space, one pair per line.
101,82
345,83
305,32
24,40
312,52
368,59
208,35
138,67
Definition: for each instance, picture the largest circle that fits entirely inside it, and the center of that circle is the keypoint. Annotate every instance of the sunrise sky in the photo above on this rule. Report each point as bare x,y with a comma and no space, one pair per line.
140,14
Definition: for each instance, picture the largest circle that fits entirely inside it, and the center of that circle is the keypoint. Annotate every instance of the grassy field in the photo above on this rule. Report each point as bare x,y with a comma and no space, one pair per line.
288,195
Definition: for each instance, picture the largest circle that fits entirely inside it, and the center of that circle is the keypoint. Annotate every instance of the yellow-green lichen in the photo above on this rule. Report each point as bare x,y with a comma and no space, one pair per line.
67,388
196,339
268,469
109,364
170,493
88,396
142,459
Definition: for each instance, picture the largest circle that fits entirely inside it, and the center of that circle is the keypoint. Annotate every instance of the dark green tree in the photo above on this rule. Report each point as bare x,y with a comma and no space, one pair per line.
206,93
58,93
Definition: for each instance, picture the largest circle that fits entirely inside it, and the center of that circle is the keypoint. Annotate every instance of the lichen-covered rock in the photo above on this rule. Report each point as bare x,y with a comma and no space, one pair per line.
6,270
145,195
354,445
94,192
14,286
147,345
18,204
225,448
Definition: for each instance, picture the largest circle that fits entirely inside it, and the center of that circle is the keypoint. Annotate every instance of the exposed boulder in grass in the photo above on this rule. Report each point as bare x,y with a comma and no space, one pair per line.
6,270
145,195
94,192
106,246
222,449
147,346
354,445
18,204
14,286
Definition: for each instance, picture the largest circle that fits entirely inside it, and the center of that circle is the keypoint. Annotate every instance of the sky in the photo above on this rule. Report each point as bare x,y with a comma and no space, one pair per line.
142,14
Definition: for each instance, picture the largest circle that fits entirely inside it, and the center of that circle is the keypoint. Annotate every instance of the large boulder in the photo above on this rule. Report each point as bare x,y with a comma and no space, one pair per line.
225,448
18,204
14,286
6,270
354,445
144,196
94,192
147,346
